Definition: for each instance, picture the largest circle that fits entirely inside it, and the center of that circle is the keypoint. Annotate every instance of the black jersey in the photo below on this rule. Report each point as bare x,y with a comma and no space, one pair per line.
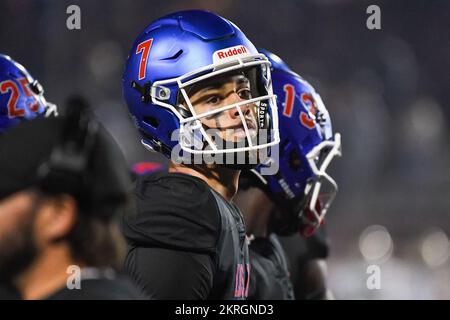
116,288
185,240
270,275
300,251
8,292
120,288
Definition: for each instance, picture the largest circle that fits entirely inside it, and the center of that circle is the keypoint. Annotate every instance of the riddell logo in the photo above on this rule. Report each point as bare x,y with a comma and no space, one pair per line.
229,53
232,52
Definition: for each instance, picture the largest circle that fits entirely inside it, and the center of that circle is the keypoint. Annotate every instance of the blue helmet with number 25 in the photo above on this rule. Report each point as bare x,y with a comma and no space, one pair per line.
21,96
302,188
180,51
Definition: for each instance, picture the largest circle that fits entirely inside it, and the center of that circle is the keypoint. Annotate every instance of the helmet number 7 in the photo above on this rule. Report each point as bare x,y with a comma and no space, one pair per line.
143,47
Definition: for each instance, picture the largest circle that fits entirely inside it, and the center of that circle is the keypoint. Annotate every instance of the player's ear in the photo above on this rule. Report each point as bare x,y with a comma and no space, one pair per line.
56,218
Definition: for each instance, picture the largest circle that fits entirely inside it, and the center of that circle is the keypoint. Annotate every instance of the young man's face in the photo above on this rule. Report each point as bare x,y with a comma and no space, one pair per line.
220,92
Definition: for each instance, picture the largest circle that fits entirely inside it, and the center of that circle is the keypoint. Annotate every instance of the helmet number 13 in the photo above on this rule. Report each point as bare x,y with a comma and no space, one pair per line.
308,102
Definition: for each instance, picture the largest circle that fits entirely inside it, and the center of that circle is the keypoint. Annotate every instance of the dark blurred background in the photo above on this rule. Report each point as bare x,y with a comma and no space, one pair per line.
388,92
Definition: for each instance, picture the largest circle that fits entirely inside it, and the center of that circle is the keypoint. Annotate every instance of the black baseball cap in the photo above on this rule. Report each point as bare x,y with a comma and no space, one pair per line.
25,149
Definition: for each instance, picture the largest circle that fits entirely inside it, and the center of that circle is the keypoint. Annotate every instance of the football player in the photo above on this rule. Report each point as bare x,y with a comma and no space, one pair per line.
64,182
195,86
296,198
21,96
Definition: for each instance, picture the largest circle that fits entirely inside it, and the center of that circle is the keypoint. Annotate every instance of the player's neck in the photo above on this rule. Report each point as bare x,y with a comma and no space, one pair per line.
256,208
224,181
47,274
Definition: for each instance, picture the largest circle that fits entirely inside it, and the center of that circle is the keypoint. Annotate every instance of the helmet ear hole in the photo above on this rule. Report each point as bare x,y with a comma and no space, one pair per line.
152,121
295,163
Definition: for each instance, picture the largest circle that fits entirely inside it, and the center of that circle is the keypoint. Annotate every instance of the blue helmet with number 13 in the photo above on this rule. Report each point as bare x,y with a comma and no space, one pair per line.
302,188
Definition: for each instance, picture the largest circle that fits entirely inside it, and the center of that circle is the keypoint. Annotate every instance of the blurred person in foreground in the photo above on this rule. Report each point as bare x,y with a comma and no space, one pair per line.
63,184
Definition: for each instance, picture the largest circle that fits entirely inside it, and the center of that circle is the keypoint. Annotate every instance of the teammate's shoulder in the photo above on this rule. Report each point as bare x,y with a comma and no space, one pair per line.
318,244
175,211
165,180
175,190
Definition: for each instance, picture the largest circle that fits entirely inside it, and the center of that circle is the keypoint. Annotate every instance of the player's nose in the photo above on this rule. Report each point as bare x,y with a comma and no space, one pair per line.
234,112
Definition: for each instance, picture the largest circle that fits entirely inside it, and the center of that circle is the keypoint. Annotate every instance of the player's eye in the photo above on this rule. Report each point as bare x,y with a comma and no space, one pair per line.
213,100
245,94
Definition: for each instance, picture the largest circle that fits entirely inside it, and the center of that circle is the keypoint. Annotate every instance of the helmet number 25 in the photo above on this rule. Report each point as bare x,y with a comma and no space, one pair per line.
307,100
143,47
11,86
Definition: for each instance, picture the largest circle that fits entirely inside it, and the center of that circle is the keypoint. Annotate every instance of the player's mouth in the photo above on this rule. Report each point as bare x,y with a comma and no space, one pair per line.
239,131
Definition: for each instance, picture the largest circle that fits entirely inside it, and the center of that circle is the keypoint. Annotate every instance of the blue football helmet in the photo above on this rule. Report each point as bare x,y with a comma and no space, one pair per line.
301,187
21,96
178,52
